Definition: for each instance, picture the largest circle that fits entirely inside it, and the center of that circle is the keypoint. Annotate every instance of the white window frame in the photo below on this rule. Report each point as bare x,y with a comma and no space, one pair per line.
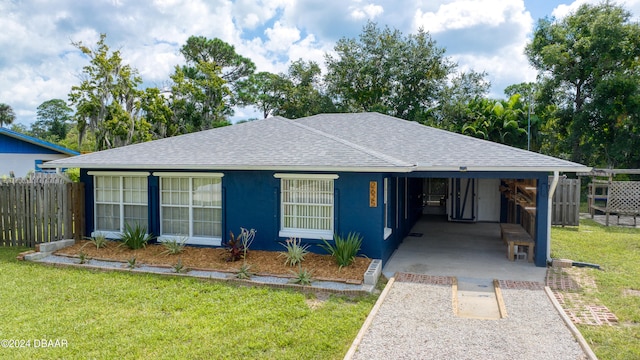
190,238
121,175
303,232
387,226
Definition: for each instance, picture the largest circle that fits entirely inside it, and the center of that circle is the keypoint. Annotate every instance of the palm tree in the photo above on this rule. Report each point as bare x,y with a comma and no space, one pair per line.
7,116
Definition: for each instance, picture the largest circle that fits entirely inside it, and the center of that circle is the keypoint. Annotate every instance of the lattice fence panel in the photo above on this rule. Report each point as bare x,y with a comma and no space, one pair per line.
624,197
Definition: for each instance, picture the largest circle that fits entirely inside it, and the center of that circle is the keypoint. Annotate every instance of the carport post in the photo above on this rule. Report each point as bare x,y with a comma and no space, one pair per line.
552,190
542,219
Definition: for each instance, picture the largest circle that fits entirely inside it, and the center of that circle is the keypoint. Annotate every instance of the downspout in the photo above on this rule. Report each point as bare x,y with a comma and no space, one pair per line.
552,190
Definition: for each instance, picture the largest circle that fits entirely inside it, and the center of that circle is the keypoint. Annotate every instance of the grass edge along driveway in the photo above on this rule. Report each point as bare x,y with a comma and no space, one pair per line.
617,251
69,313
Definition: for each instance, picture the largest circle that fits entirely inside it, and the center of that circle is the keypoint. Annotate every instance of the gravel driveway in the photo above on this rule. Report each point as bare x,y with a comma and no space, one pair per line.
416,321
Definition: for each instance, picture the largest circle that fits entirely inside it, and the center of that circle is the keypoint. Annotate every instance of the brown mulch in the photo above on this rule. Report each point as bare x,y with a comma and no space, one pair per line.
322,267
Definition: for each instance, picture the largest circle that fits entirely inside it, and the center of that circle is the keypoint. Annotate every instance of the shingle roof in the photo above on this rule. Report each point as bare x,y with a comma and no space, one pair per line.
331,142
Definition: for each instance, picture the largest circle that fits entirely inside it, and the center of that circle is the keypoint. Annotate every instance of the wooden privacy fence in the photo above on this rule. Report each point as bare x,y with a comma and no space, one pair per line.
565,209
40,210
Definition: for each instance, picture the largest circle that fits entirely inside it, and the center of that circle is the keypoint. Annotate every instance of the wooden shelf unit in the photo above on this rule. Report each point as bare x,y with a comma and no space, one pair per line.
521,196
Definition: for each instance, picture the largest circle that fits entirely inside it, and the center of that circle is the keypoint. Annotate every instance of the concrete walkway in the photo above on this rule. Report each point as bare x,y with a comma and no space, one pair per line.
461,250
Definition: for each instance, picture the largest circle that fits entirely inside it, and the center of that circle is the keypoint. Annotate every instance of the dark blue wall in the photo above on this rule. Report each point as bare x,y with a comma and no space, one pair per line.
10,145
251,199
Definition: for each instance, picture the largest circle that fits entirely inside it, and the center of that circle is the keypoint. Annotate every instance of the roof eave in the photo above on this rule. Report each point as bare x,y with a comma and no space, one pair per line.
213,167
563,169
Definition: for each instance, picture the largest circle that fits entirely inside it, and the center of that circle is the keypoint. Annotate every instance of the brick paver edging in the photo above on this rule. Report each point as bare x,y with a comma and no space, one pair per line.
574,330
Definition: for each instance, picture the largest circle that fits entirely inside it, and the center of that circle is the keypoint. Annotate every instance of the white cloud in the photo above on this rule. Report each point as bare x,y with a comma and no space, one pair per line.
468,13
250,14
487,36
369,11
281,37
39,63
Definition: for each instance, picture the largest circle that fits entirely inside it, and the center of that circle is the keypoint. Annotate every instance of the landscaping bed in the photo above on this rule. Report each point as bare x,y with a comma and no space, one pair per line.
322,267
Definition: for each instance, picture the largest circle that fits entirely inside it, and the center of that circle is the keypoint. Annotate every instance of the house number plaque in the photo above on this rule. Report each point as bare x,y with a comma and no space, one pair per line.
373,194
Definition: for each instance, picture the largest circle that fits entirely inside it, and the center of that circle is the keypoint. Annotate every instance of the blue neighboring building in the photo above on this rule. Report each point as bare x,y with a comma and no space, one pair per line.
20,153
307,178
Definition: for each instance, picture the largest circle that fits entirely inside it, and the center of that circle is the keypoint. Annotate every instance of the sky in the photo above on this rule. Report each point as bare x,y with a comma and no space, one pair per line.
39,63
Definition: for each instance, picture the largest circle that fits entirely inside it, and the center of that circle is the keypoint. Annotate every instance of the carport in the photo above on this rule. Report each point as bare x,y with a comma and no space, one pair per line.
439,247
464,198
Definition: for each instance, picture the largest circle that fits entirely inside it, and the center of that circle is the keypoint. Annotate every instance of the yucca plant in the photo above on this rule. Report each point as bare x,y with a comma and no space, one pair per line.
295,251
179,267
82,257
99,240
244,272
174,246
344,250
302,276
135,238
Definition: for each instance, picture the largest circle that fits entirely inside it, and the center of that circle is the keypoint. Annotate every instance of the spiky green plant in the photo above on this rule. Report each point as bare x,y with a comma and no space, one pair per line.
179,267
174,246
82,257
135,238
302,276
131,262
344,250
295,251
99,241
244,272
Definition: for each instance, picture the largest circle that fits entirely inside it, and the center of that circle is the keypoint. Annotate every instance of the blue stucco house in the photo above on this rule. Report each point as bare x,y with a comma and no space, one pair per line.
20,153
308,178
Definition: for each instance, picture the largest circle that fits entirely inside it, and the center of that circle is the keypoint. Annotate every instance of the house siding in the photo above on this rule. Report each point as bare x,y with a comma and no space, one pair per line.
251,199
20,156
10,145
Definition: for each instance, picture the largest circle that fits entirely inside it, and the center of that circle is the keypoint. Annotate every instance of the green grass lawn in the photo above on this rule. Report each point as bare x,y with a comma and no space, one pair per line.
617,251
108,315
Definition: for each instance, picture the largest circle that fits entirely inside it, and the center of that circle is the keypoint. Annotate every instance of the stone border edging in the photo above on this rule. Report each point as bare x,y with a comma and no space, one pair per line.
373,272
369,320
574,330
241,282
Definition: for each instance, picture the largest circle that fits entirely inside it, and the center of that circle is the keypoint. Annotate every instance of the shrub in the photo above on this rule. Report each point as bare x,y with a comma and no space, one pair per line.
295,251
344,250
179,267
73,174
99,241
302,276
244,272
174,246
135,238
82,257
239,246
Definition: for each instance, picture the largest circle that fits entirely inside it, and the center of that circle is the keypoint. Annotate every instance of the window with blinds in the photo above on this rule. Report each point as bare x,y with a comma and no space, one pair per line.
191,208
307,207
120,200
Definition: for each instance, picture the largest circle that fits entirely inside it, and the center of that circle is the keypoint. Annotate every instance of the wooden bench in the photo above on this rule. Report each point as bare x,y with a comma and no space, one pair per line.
509,228
514,235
